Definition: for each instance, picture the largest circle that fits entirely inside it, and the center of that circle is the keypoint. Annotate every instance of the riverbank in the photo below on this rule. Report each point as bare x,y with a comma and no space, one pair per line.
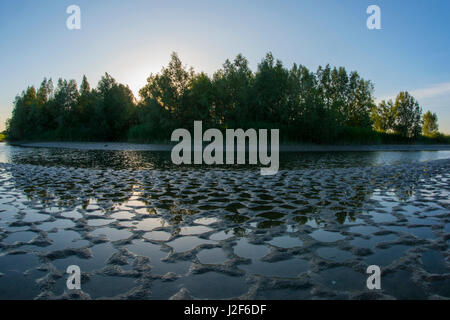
124,146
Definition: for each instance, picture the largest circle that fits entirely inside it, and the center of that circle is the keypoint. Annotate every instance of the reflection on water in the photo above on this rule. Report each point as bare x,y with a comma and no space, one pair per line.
155,231
161,159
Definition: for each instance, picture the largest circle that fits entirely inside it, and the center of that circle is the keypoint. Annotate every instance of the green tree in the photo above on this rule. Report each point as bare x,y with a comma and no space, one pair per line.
271,92
85,88
45,91
304,104
339,93
383,116
233,96
325,106
66,97
200,101
408,116
168,91
325,86
21,125
430,124
361,104
114,111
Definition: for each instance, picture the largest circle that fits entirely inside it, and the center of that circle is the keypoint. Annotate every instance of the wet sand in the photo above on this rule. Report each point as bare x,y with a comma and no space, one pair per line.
225,233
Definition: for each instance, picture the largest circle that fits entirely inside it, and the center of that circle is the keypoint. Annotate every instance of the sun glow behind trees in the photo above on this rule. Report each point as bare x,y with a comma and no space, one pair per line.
327,106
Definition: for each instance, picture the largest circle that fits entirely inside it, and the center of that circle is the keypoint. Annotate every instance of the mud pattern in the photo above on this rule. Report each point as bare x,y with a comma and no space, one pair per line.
225,233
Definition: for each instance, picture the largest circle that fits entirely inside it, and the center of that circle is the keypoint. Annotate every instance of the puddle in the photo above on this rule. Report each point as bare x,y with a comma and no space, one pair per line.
384,257
286,242
334,254
157,235
187,243
326,236
246,250
112,234
212,256
291,268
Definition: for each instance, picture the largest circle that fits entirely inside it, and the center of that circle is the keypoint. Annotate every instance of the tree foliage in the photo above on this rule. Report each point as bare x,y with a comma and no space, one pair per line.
404,116
66,113
430,124
324,106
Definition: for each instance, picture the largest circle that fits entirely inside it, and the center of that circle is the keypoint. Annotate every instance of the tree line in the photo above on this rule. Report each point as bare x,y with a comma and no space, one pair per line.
329,105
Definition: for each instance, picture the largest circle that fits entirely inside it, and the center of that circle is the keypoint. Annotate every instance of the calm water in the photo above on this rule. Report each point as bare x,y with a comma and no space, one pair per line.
161,160
141,228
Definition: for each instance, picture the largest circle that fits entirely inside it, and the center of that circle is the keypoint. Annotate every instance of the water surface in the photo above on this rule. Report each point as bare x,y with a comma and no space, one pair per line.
142,228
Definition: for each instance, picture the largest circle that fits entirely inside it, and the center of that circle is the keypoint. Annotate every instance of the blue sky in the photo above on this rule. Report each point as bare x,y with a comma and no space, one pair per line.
132,38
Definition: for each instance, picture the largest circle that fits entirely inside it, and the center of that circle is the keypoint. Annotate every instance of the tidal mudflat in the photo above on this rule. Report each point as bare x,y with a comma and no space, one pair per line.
141,228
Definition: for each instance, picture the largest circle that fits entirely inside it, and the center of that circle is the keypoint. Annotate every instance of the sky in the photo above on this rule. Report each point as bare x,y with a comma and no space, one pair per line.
132,38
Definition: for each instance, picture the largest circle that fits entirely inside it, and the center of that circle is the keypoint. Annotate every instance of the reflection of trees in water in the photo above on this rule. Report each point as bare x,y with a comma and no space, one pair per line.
331,195
118,190
67,192
317,160
91,158
162,160
342,216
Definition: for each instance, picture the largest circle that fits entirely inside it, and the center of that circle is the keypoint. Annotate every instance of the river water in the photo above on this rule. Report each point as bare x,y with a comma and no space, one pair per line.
141,228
